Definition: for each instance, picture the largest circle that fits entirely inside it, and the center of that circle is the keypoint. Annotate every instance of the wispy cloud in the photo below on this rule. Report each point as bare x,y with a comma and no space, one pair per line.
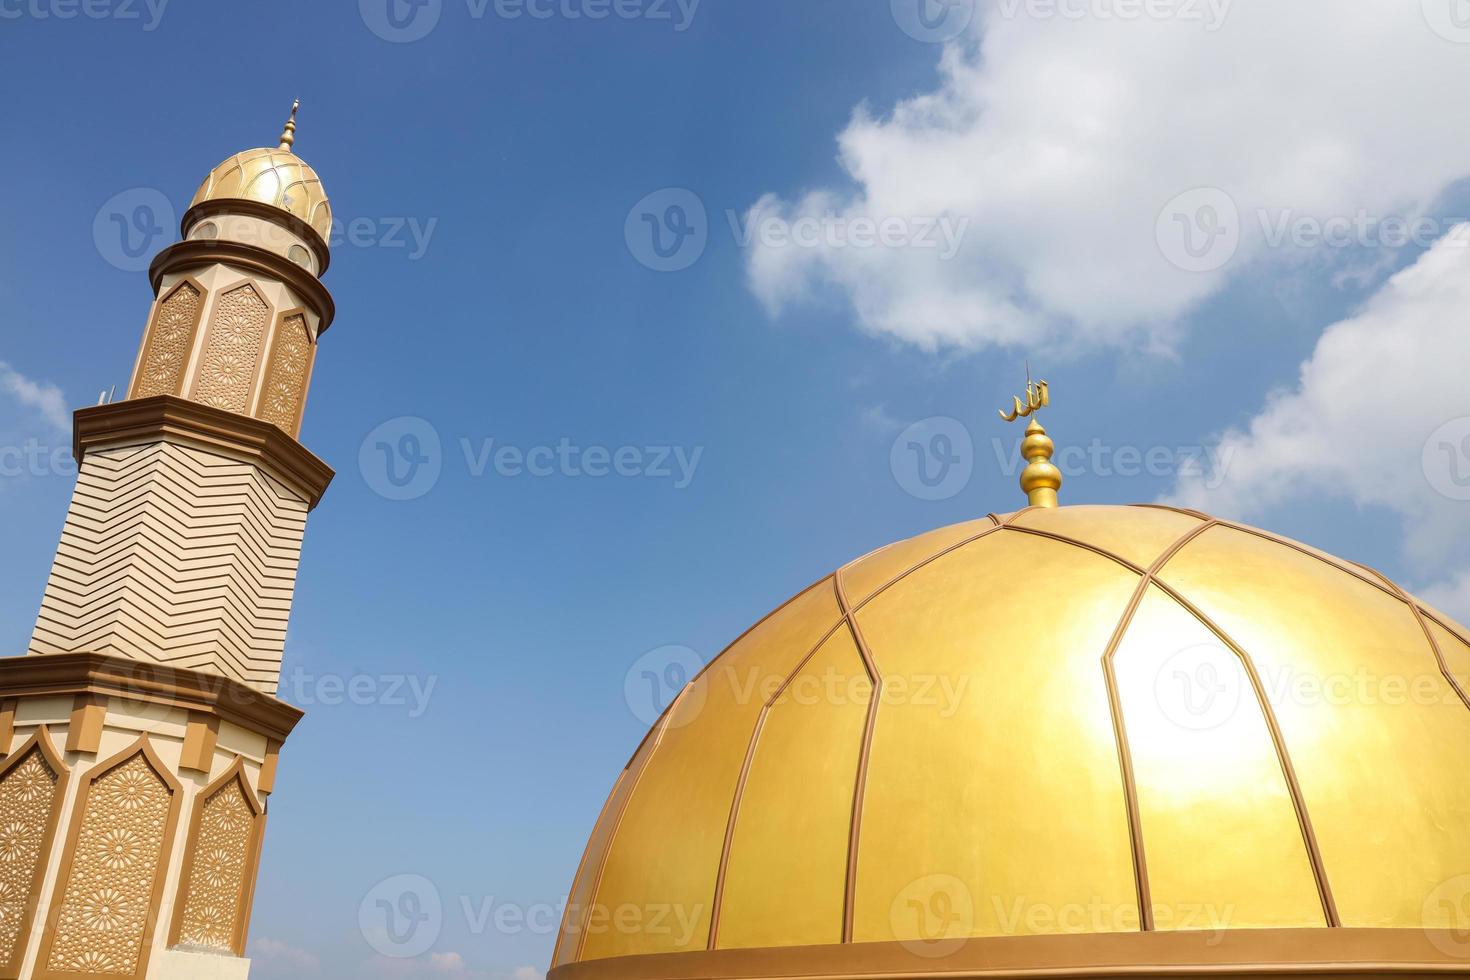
442,966
1378,417
41,396
1072,145
273,958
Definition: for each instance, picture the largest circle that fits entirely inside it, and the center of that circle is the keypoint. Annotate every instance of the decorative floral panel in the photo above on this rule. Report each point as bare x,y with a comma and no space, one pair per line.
222,844
285,378
232,350
108,896
27,799
169,340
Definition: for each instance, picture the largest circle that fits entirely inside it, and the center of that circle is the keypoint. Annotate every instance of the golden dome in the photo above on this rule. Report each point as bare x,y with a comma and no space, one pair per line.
276,177
1083,712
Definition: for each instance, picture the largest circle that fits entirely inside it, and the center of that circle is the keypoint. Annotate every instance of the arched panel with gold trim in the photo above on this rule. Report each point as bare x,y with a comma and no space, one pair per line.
282,397
230,360
169,341
32,784
220,862
103,913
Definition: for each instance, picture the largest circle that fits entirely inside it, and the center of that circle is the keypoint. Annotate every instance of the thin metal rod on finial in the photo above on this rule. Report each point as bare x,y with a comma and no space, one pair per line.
288,135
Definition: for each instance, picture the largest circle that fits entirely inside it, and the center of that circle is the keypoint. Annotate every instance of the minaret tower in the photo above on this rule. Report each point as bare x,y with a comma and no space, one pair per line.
139,737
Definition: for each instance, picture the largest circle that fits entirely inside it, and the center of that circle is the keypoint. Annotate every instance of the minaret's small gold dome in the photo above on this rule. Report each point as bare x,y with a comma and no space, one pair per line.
1071,741
277,177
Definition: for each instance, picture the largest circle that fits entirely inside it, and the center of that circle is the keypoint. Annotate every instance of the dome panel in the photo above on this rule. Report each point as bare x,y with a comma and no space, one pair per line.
788,856
996,798
665,855
1223,844
993,758
275,177
579,902
1456,653
1137,534
870,573
1381,768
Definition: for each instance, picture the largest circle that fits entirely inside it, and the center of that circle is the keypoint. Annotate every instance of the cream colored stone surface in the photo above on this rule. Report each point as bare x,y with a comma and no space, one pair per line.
176,555
166,728
177,964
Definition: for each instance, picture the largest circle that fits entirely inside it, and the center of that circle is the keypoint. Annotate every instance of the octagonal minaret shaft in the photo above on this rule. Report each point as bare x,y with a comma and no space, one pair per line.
139,740
183,537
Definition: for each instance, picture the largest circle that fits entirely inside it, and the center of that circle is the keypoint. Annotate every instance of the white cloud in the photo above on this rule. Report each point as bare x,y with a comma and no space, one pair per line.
1451,595
1062,140
42,396
1380,415
274,958
439,966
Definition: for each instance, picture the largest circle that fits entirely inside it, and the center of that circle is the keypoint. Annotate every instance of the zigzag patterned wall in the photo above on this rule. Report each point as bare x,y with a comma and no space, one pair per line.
179,556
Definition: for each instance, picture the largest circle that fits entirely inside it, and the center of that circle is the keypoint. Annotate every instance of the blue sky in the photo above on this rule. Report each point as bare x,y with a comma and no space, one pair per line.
499,181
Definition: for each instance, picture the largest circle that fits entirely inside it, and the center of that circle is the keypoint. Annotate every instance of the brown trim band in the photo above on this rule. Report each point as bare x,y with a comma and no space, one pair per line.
181,256
97,674
1279,953
142,419
267,212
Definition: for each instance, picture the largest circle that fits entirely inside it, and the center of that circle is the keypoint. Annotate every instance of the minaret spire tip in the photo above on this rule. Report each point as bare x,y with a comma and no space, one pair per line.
1040,479
288,135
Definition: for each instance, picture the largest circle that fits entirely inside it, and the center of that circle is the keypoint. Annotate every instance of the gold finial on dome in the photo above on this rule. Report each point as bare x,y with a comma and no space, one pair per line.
1040,479
288,135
